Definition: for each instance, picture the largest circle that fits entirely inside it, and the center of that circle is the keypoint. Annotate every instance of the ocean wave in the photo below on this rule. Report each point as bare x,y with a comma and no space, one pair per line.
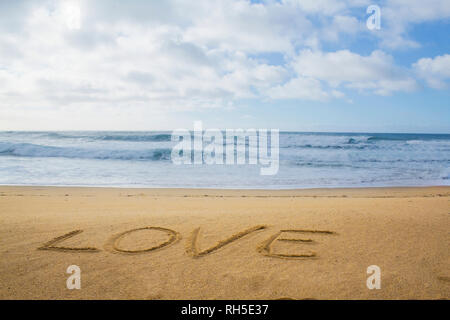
131,137
137,138
332,147
368,142
306,160
408,137
42,151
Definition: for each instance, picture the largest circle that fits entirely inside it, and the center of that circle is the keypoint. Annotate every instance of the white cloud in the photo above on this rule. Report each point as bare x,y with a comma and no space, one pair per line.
319,75
341,25
407,11
299,88
161,56
326,7
135,59
240,25
376,72
398,15
435,71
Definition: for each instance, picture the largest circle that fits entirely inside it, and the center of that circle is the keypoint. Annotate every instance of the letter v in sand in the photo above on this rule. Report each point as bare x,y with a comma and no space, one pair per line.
193,250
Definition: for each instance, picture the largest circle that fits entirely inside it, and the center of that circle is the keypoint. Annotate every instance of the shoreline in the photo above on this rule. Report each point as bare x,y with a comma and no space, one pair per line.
221,189
369,192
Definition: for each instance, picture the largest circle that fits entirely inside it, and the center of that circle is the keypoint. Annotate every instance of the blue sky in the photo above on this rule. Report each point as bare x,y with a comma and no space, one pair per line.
307,65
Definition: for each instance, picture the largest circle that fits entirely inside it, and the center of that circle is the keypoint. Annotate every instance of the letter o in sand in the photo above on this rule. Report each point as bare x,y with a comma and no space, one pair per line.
113,244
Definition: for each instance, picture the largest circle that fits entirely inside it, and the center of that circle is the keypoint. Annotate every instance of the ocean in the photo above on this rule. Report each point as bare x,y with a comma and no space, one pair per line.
143,159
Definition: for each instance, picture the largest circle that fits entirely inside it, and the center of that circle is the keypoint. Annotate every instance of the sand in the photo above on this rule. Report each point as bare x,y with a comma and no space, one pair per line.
224,244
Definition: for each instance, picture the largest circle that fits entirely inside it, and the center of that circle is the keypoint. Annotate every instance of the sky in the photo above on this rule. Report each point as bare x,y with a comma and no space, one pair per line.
293,65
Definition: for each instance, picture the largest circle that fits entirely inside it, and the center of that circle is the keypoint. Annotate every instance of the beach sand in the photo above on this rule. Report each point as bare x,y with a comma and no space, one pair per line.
224,244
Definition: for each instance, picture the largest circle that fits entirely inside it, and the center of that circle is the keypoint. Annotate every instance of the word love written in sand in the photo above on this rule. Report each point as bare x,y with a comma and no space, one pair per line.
272,247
